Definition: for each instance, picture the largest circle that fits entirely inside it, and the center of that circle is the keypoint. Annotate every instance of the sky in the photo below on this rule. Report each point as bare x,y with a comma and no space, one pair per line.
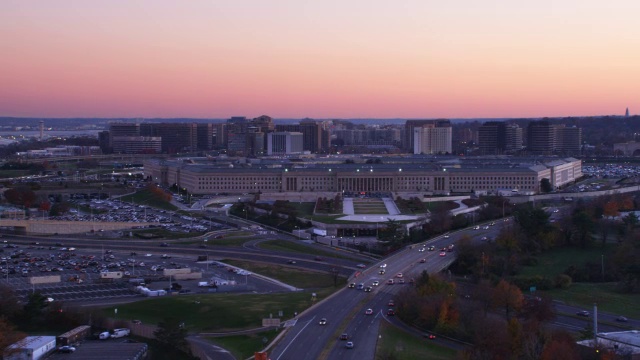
319,59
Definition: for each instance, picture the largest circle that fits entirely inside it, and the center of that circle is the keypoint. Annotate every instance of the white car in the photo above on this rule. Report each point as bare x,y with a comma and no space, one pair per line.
375,283
148,255
383,266
446,236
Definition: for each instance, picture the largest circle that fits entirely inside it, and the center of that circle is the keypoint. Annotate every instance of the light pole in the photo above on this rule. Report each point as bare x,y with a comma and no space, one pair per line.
207,250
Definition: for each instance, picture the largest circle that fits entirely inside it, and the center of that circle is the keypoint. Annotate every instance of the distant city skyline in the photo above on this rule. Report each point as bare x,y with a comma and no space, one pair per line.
419,59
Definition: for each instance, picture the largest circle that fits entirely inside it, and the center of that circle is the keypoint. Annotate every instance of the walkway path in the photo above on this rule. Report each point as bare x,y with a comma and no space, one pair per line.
392,208
347,206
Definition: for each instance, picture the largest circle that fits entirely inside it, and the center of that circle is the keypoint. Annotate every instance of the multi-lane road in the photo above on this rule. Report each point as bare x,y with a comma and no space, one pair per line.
305,338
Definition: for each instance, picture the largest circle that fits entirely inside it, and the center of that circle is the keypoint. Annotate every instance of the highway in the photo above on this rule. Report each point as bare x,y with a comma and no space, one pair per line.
345,310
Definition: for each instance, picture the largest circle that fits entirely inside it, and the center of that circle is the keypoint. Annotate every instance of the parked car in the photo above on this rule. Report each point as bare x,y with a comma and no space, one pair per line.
66,349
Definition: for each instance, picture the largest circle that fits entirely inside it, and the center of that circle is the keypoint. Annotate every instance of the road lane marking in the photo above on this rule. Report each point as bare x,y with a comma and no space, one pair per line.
295,337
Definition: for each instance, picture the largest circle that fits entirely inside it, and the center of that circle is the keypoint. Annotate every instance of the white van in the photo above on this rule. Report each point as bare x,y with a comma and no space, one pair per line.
104,335
118,333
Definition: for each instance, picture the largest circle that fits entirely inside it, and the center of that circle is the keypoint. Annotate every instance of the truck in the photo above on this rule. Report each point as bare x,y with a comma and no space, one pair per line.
118,333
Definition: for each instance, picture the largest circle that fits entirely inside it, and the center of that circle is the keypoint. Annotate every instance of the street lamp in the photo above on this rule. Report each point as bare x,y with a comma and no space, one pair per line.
207,250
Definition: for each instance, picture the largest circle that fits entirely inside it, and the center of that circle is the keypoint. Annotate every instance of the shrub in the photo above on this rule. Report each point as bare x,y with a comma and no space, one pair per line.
563,281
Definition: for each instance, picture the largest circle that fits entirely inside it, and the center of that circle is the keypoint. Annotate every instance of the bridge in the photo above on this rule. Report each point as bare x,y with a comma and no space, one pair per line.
33,226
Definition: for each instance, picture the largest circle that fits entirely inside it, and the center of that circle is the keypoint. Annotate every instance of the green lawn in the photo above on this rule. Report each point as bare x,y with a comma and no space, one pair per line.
284,245
244,346
557,261
4,174
604,295
217,312
300,278
166,234
147,198
403,346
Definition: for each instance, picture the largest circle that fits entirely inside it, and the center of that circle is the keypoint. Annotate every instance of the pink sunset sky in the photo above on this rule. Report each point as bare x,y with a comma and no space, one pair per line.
319,59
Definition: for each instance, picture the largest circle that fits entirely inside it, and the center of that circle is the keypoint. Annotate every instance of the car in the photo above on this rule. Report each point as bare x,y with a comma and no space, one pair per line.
165,256
66,349
584,313
322,321
361,266
383,266
429,336
369,312
476,227
443,253
291,262
368,289
352,285
399,275
375,283
446,236
381,271
164,244
556,211
344,336
401,281
137,322
484,238
391,303
349,345
431,248
390,282
421,250
360,286
49,300
318,258
622,319
391,312
422,261
148,255
486,227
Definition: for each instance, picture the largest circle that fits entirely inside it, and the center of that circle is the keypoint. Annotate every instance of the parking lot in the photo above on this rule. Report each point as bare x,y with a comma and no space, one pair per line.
80,272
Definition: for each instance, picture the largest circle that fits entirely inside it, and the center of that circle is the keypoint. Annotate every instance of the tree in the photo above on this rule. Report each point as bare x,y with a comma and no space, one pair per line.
584,228
171,335
507,296
8,335
21,195
545,185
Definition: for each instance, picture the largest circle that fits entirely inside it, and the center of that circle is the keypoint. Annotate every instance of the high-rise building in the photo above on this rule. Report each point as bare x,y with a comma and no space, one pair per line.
122,129
220,135
284,143
176,137
409,134
430,139
315,134
492,138
204,136
568,140
626,113
514,138
540,137
137,145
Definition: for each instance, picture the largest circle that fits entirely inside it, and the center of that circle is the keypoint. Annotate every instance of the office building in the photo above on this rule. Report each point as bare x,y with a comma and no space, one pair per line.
568,140
432,139
409,133
315,134
204,136
540,137
176,137
492,138
284,143
137,145
513,138
122,129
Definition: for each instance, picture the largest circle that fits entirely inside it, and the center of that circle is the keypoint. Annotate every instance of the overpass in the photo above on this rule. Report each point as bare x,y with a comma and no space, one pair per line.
65,227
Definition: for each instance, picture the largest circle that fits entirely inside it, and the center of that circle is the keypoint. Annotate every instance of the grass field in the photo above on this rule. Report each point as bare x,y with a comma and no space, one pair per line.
555,262
403,346
283,245
244,346
5,174
166,234
603,294
147,198
300,278
217,312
